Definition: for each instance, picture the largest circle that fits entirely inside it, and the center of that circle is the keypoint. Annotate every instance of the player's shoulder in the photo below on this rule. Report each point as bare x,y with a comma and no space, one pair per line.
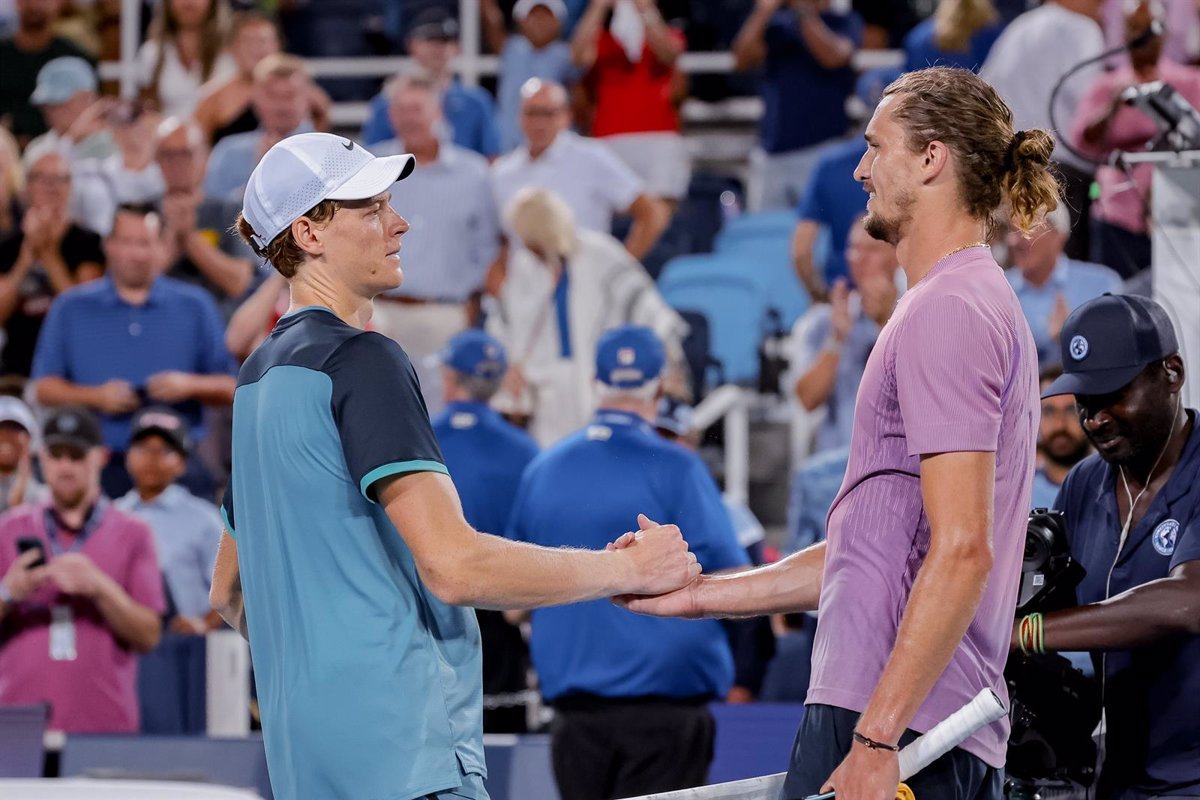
367,350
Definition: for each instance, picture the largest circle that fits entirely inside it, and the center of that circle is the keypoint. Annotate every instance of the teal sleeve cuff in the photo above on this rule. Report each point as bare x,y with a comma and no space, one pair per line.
398,468
225,519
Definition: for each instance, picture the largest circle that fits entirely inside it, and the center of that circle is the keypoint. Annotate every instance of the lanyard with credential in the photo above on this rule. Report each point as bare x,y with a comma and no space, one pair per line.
89,527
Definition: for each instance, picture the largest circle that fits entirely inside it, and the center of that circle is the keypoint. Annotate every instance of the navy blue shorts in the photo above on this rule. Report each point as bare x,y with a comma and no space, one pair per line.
825,737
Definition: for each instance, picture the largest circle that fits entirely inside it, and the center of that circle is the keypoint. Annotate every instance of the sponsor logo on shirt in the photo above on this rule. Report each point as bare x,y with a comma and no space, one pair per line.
1164,537
463,420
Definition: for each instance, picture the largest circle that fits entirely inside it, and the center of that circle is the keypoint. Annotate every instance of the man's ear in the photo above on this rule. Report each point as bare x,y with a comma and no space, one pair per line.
309,236
934,160
1173,366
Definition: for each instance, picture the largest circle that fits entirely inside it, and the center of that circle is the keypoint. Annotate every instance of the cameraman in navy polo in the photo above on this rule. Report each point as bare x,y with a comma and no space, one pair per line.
1133,521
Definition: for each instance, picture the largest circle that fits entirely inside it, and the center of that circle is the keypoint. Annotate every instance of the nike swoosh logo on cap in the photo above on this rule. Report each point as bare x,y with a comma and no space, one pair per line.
349,145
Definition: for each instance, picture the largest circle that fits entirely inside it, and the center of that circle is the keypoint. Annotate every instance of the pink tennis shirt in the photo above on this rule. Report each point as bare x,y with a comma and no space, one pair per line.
954,370
97,691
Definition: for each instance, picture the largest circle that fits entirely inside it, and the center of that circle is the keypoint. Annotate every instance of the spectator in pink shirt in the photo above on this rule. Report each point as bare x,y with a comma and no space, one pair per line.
1103,123
71,628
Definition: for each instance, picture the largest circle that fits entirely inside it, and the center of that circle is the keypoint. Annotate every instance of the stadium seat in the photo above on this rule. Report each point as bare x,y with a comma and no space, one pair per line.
21,732
771,225
734,304
762,264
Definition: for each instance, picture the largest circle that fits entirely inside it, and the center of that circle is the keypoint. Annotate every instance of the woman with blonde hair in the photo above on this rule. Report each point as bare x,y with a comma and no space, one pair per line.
960,33
564,287
184,49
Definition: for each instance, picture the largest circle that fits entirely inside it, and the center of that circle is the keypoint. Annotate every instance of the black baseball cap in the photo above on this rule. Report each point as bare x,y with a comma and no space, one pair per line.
434,23
72,426
164,422
1107,341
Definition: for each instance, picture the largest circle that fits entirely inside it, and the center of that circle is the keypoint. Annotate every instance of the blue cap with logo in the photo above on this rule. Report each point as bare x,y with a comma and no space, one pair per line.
304,169
475,353
629,356
1107,341
60,78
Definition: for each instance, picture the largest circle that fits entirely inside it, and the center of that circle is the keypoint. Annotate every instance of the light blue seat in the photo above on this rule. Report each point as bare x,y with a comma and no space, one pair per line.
735,305
764,264
762,225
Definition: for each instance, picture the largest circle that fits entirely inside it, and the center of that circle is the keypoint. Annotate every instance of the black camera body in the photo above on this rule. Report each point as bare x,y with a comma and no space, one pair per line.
1054,706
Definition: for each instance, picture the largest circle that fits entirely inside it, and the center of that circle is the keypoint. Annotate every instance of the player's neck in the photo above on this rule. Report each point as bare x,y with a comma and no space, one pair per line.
932,234
348,307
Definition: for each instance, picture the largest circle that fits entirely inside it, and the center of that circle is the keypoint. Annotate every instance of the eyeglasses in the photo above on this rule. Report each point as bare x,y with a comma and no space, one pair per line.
544,113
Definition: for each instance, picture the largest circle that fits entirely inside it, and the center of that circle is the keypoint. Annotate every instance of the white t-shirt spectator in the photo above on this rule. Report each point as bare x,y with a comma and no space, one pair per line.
178,86
593,182
1035,50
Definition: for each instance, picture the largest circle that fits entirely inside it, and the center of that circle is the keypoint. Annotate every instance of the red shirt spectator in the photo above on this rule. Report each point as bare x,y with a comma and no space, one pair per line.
630,53
633,96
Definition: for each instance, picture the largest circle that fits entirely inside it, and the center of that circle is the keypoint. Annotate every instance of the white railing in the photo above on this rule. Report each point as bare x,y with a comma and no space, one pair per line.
471,65
732,403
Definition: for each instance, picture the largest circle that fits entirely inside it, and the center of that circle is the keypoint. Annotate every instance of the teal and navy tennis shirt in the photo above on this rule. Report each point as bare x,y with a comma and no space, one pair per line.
368,685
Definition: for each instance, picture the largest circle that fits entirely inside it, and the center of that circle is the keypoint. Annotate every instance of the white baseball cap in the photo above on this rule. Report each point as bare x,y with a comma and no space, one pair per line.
302,170
557,7
13,409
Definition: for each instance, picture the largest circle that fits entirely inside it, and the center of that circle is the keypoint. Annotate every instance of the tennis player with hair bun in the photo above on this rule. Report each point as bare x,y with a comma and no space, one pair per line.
352,568
916,583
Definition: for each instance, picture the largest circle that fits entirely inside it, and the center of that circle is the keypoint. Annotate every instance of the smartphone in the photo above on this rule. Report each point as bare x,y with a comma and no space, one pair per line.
27,543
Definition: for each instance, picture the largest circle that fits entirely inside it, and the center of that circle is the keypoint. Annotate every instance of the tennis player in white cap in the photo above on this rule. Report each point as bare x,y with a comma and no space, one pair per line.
352,565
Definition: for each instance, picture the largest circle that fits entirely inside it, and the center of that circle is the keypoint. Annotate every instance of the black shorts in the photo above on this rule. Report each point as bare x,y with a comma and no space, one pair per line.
825,737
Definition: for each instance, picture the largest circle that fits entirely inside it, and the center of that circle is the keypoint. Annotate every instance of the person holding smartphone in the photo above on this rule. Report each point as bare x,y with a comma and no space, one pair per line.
81,593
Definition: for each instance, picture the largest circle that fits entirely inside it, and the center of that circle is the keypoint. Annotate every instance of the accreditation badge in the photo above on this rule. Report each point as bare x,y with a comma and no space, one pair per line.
62,634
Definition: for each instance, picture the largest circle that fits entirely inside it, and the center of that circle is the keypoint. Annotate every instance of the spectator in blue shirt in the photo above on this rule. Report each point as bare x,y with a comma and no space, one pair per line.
186,528
486,456
1133,522
470,114
454,233
133,338
959,34
805,50
282,89
1049,285
1061,443
534,50
630,692
834,200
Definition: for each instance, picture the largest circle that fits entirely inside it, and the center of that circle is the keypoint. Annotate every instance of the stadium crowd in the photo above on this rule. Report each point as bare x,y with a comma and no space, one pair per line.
547,209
